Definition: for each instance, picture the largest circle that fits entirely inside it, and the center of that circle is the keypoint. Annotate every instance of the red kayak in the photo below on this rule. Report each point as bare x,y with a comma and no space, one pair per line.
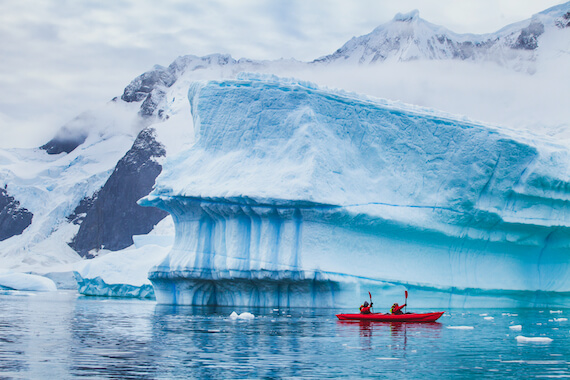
380,317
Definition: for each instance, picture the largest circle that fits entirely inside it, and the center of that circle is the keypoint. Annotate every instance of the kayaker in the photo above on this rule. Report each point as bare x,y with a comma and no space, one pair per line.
365,308
397,309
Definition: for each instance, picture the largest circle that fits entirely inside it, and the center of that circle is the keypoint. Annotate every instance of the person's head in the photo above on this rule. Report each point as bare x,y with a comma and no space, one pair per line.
396,304
365,303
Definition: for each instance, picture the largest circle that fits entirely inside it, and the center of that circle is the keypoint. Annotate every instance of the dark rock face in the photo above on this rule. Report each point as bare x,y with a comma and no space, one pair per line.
13,218
143,85
150,88
81,210
109,219
66,141
564,21
528,39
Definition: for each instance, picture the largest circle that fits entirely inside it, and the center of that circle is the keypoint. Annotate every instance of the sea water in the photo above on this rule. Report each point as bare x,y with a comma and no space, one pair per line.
62,335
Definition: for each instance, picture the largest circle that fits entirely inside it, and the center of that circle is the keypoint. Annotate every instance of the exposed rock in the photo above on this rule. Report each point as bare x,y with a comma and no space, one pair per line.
66,141
528,39
564,21
13,218
114,215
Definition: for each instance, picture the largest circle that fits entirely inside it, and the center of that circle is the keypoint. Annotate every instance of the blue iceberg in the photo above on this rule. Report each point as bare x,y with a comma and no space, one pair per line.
295,195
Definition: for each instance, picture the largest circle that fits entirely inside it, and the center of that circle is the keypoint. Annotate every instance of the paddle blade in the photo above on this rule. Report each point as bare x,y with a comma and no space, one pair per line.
406,294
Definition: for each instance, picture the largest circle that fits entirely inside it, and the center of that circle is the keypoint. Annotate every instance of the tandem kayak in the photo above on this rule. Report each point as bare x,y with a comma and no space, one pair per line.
380,317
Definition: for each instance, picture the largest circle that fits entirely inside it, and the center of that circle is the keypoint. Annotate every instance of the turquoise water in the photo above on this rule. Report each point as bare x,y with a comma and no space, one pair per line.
60,335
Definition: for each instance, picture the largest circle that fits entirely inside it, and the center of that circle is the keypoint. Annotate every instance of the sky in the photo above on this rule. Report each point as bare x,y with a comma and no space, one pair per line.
59,58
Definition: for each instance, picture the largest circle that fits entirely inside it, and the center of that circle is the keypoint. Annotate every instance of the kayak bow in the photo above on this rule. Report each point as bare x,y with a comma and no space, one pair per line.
380,317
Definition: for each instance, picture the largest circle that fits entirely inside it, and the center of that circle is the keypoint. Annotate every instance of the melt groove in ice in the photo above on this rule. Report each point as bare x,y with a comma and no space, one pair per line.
296,195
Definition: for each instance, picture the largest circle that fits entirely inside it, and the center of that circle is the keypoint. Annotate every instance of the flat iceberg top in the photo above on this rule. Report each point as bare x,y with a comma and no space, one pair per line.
271,140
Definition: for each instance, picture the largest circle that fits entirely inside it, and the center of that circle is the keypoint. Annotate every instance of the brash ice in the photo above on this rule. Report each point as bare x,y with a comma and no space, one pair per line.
295,195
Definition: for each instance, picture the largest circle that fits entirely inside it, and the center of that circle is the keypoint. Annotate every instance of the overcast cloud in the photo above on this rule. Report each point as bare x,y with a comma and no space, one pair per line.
59,58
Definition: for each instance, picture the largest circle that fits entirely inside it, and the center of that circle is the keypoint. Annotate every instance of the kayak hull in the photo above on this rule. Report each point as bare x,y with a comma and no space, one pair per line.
379,317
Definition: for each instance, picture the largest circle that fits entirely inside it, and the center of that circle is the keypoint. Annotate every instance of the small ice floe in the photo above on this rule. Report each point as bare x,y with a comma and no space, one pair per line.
460,327
537,339
516,327
483,315
489,318
245,315
560,319
555,311
26,282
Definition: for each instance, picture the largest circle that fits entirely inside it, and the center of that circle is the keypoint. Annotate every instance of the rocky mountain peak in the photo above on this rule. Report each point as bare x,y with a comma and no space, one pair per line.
407,17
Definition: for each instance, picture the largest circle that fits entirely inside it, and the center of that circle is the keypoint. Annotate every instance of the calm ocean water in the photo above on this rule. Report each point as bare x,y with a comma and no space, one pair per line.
62,335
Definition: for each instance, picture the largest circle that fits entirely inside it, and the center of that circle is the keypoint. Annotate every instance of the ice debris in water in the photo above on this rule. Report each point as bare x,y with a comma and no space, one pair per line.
555,311
245,315
516,327
489,318
538,339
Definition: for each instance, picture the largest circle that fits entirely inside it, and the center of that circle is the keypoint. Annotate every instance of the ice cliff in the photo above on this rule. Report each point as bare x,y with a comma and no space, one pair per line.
295,195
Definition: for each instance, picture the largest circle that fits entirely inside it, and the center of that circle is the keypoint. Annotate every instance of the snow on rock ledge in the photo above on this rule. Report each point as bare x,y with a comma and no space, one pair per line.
297,195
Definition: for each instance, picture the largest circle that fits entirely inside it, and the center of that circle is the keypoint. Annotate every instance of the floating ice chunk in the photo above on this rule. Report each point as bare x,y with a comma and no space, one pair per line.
483,315
560,319
460,327
30,282
516,327
555,311
489,318
245,315
538,339
121,273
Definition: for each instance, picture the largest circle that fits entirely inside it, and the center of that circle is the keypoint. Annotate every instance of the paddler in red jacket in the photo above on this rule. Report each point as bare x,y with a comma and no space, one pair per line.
397,309
365,308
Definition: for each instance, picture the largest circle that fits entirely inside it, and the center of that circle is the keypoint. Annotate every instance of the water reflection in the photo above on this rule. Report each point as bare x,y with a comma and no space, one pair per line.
397,331
65,336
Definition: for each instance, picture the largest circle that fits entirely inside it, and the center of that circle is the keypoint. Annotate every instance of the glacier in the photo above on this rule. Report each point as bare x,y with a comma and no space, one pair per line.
298,195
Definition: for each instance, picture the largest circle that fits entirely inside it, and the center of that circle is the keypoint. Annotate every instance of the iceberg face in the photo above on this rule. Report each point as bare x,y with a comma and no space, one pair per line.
295,195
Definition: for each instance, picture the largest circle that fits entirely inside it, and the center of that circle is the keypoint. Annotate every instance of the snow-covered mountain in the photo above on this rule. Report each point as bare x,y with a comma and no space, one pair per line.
408,37
80,189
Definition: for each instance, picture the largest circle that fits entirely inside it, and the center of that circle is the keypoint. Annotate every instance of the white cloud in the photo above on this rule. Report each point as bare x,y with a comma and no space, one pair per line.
60,58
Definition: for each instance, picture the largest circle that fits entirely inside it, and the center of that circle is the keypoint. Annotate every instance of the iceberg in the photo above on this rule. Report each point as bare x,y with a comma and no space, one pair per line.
119,274
297,195
26,282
